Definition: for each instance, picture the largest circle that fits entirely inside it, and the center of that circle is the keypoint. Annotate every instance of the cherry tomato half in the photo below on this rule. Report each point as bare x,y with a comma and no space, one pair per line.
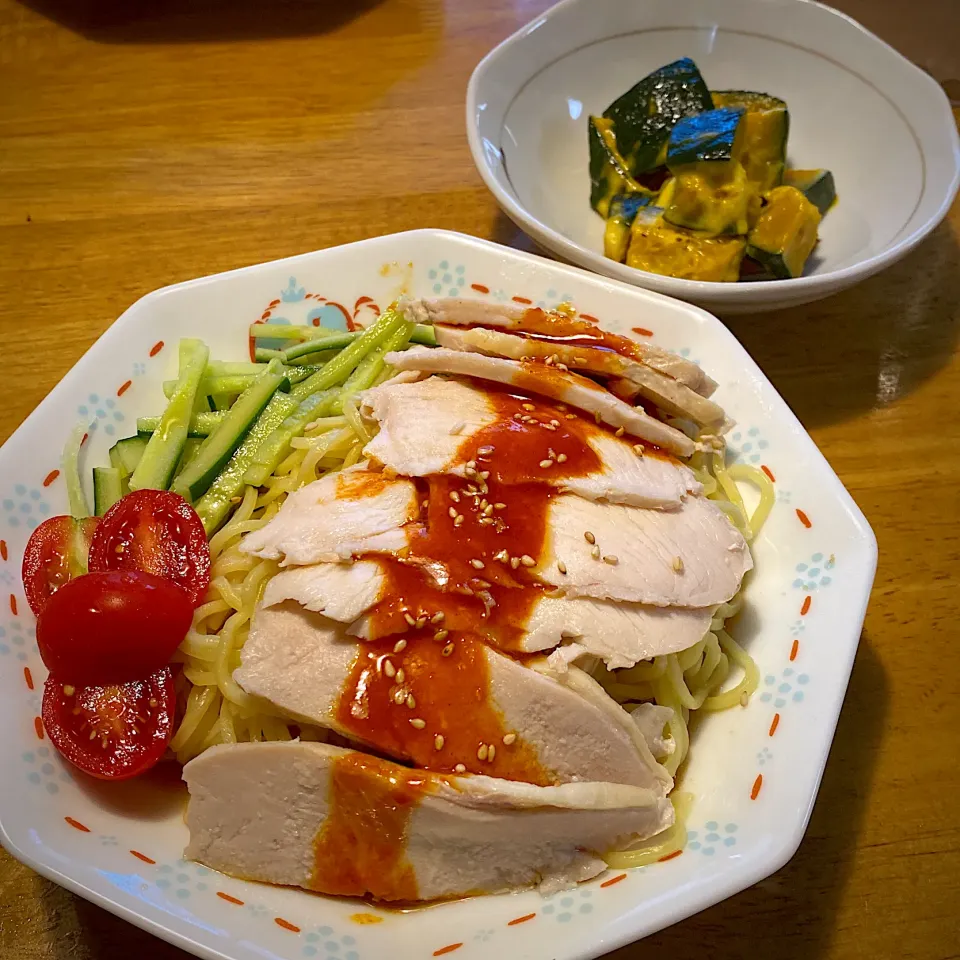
111,732
158,532
112,627
56,552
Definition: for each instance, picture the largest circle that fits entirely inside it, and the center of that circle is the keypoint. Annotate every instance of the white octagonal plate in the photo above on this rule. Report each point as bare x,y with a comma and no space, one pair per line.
753,771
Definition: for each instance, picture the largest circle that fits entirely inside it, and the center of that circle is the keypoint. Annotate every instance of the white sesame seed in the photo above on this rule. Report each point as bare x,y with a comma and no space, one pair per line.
438,742
529,406
570,416
514,562
400,646
611,559
68,690
595,553
484,475
388,668
546,463
417,723
447,650
485,521
483,504
518,416
484,451
491,753
528,561
482,752
398,695
452,511
561,566
438,617
561,458
589,537
459,768
499,506
678,564
579,360
411,703
470,471
401,676
549,361
441,635
488,509
556,423
509,738
410,621
638,449
619,432
455,497
477,564
563,367
456,428
472,464
502,556
459,521
424,504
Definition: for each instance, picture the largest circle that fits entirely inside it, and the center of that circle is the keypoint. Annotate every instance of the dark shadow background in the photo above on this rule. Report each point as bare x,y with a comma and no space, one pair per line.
176,21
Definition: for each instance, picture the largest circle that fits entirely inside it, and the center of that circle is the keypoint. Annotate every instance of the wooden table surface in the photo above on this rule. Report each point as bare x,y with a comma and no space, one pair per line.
146,143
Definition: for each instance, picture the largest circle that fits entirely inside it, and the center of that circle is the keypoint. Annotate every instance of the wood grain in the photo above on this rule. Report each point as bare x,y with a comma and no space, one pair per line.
143,143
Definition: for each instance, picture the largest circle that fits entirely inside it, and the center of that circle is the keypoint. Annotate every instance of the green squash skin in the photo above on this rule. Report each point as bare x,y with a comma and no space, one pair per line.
648,111
609,175
816,185
713,136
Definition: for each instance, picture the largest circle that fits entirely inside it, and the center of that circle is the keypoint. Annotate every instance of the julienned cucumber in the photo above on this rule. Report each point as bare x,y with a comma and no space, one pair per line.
126,454
234,383
422,333
216,504
201,425
160,459
217,449
106,489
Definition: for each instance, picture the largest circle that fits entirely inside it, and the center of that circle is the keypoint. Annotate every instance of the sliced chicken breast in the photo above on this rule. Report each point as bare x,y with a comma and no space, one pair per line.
691,557
520,319
424,427
340,822
476,700
337,516
547,381
621,634
670,395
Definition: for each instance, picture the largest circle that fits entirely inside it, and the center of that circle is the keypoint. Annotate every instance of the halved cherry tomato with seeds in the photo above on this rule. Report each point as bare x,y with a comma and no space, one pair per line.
112,627
111,732
158,532
56,552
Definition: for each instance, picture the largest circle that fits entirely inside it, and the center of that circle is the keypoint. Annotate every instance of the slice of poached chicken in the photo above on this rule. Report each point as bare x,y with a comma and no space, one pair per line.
671,396
691,557
621,634
548,381
341,822
448,705
557,328
426,426
337,516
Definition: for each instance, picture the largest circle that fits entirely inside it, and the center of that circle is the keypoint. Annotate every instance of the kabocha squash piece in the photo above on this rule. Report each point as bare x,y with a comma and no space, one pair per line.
644,116
616,234
659,247
816,185
766,127
712,193
608,170
715,135
785,233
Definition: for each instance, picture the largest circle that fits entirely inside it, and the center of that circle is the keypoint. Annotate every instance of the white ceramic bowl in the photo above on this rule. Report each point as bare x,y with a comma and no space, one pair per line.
882,125
753,771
